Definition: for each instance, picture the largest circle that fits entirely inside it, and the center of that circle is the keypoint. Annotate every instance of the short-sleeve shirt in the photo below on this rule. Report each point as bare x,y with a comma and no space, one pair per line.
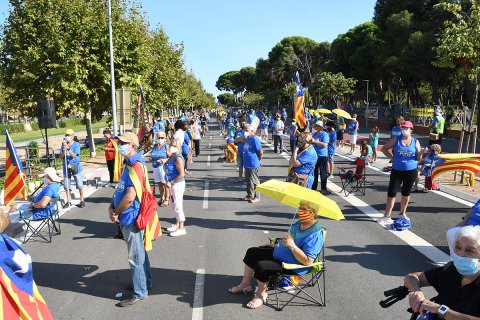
309,240
374,142
352,127
308,159
51,190
238,134
75,148
278,125
128,216
396,132
179,135
264,124
475,216
322,137
186,142
447,281
109,155
250,157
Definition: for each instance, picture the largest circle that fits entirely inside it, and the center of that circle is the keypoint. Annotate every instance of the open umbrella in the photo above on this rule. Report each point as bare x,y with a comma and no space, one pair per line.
292,194
342,113
324,111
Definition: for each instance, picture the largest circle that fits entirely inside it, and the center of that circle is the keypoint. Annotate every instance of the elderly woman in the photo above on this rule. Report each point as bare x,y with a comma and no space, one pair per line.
456,282
301,246
175,174
471,219
304,158
159,155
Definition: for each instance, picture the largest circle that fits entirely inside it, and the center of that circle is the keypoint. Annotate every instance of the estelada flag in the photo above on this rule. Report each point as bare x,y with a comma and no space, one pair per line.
468,162
15,185
19,296
299,110
138,174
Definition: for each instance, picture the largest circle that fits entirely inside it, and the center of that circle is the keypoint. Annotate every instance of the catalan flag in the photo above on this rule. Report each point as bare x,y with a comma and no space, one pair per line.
15,185
299,105
153,229
117,164
233,149
19,296
468,162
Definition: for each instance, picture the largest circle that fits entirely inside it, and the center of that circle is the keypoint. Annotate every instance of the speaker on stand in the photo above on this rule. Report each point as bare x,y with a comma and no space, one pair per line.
46,119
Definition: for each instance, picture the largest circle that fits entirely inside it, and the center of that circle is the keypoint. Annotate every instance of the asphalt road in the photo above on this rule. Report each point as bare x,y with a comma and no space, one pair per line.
83,270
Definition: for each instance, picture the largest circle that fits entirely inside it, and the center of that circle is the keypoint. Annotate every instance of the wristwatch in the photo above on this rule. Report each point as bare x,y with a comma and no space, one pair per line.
442,310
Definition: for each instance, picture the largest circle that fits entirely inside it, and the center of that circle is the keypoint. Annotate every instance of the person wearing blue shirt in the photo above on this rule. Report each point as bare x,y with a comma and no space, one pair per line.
124,210
353,133
264,124
320,143
70,155
187,144
397,131
374,142
308,118
404,153
332,148
301,245
252,157
304,158
240,142
159,155
230,129
293,133
341,126
284,115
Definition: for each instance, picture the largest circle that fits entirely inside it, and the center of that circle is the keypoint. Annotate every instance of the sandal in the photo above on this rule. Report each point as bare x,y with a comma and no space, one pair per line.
165,203
256,302
237,290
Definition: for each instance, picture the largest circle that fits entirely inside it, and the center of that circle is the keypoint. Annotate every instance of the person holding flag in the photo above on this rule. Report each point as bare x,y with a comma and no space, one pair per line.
299,111
124,210
112,156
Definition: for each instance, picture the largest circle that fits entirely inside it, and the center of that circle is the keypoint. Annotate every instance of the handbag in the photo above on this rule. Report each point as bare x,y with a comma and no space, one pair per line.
72,168
298,178
148,207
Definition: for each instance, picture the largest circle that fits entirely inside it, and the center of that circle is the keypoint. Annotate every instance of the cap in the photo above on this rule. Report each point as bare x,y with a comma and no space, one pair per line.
319,123
52,173
407,124
129,137
69,132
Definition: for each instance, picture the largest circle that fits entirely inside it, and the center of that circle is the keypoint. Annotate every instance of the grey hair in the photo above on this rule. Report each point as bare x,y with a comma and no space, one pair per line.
310,205
469,232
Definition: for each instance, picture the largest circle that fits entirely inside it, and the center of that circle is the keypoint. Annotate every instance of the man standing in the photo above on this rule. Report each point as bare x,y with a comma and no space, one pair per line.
438,127
124,210
70,155
284,115
320,143
111,151
240,142
277,132
252,156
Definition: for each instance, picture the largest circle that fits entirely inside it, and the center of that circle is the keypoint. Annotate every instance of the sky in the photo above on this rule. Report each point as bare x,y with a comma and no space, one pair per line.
221,35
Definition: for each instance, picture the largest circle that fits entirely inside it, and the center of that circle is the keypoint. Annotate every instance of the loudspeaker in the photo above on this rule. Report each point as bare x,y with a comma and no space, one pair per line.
46,114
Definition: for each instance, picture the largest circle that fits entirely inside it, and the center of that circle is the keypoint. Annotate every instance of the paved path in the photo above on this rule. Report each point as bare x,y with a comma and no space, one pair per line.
83,270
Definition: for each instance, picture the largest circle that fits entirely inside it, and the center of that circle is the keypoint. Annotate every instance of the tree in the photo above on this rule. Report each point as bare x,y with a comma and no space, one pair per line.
252,99
333,86
230,81
226,98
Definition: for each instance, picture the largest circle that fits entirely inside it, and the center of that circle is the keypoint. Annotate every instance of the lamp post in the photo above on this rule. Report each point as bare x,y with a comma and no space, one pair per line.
112,70
367,111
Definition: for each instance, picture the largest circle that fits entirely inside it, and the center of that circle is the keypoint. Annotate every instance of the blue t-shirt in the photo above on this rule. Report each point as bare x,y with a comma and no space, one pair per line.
291,131
250,157
396,132
264,124
158,154
51,190
322,137
284,115
404,158
162,125
250,117
332,144
128,216
308,116
186,142
231,130
171,171
475,216
238,134
374,142
309,240
75,148
352,125
308,159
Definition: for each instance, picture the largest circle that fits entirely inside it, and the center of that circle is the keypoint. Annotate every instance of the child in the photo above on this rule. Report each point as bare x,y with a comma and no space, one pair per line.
426,162
366,152
374,142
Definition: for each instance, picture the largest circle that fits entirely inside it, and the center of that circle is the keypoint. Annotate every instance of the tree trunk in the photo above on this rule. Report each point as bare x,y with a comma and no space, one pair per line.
88,124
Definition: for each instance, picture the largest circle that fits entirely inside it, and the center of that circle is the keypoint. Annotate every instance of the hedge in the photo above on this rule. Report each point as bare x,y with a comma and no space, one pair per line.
12,128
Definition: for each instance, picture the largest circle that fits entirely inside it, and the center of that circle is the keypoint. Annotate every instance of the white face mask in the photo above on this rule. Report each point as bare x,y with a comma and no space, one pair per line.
67,139
161,140
246,134
406,132
173,149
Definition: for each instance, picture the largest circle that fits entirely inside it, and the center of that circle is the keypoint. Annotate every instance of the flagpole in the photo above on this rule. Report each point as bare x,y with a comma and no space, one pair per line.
112,70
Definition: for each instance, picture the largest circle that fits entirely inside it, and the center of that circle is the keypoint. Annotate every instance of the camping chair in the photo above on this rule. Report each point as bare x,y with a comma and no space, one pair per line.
315,277
353,181
35,226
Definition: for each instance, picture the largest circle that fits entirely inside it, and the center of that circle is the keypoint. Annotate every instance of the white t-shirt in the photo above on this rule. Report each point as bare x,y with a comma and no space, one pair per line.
197,132
180,136
278,125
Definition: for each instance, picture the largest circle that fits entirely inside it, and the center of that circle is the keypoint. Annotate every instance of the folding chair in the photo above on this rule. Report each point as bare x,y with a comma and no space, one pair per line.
36,225
315,277
353,181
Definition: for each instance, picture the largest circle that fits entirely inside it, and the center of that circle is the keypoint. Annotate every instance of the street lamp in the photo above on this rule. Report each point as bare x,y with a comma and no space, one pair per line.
112,70
366,113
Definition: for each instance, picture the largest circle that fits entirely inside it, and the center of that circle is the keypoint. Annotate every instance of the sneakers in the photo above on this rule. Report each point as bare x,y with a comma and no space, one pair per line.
173,228
254,200
81,204
248,198
130,301
66,205
385,220
179,232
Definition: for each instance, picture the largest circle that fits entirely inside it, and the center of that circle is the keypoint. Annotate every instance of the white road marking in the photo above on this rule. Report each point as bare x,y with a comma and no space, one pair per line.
197,313
205,195
208,161
209,145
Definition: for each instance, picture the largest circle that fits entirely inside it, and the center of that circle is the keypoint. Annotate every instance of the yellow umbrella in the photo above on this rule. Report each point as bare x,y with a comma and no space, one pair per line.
324,111
292,194
342,113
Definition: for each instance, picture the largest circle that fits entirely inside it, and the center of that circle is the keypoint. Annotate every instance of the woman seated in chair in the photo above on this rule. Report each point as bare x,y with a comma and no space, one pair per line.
301,246
40,205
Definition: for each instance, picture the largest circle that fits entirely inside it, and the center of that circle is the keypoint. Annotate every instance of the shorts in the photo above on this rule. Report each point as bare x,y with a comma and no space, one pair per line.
78,181
330,158
159,175
264,132
239,160
339,135
404,178
353,139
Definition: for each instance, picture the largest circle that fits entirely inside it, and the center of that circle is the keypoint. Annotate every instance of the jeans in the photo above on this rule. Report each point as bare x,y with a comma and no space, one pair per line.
251,175
276,141
138,260
322,165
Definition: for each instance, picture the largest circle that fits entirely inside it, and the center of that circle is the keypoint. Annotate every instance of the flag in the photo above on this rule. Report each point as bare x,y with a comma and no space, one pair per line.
233,149
19,296
299,110
153,229
468,162
117,163
15,185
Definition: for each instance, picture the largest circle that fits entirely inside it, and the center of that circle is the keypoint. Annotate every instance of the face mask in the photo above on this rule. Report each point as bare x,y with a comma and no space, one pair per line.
246,134
68,139
173,149
161,140
44,181
465,266
303,215
406,132
123,150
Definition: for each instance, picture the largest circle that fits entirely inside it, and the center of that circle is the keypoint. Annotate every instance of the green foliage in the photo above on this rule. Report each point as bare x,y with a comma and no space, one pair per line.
62,124
333,86
12,128
252,99
226,99
449,114
34,126
33,151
